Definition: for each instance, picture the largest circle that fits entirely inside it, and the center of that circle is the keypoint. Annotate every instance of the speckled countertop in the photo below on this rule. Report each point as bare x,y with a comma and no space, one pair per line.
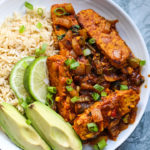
139,11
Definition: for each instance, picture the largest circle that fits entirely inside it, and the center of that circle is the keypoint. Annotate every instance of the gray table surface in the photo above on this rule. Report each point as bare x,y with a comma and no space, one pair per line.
139,11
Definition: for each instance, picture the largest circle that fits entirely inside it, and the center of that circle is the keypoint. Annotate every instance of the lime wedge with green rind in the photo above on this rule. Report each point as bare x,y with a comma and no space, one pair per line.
17,76
35,77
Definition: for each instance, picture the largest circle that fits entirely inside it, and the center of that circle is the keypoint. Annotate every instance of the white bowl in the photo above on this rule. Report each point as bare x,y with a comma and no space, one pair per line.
128,31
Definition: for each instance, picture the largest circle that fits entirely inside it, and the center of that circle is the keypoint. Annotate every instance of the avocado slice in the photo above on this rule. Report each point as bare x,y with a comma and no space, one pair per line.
22,134
53,128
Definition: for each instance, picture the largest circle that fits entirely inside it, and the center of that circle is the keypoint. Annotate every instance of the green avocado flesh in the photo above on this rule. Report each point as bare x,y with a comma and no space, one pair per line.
53,128
22,134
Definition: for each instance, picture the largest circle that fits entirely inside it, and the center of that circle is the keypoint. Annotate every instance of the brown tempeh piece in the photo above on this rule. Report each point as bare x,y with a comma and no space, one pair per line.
61,24
106,36
115,105
58,75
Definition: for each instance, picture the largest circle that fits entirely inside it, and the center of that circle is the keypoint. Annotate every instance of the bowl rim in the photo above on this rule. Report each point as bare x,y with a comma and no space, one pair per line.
137,121
122,12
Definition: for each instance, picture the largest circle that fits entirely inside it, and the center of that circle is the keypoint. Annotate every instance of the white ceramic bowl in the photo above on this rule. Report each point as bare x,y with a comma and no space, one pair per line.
128,32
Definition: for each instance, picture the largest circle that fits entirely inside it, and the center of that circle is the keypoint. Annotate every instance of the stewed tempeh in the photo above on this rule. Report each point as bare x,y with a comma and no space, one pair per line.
107,38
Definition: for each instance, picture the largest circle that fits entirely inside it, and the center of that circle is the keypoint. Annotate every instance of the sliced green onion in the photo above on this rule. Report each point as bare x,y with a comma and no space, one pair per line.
44,46
98,87
126,118
24,104
92,127
95,96
25,65
60,37
49,97
69,88
29,100
86,52
69,61
47,103
39,52
40,11
22,29
20,101
103,93
123,87
75,28
39,25
28,122
95,147
92,41
60,11
75,99
142,62
52,89
102,144
134,62
74,65
28,5
69,81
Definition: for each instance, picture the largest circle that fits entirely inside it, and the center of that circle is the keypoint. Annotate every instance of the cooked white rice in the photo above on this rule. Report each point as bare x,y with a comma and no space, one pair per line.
15,45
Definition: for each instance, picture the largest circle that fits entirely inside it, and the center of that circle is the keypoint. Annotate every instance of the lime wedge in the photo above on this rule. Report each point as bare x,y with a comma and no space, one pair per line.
17,75
35,79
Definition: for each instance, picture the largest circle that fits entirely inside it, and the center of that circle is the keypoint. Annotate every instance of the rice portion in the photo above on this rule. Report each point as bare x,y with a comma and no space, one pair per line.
15,45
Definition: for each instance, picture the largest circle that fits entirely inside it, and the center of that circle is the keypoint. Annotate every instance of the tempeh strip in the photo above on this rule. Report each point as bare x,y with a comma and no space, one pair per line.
58,75
107,38
113,106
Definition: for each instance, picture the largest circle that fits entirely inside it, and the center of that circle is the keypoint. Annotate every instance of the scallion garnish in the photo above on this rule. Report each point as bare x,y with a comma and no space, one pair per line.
22,29
126,118
92,127
123,87
39,25
69,88
69,61
60,37
74,65
39,52
95,147
103,93
60,11
29,100
52,89
49,97
102,144
98,87
142,62
69,81
86,52
24,104
44,46
95,96
40,11
28,5
28,122
92,41
75,99
47,103
75,28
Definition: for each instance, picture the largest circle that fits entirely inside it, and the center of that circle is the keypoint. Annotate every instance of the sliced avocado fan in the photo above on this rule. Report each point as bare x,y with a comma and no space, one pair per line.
52,127
21,133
